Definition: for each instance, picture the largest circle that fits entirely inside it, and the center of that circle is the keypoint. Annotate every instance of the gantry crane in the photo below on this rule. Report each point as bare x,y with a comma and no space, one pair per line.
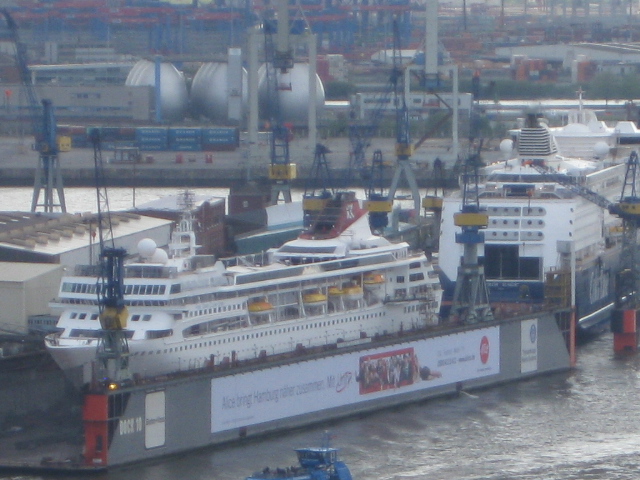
471,295
48,177
378,204
319,188
113,349
278,62
624,322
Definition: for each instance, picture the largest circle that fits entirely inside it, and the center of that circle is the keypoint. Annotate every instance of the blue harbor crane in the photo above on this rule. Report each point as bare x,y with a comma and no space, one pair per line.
624,322
279,61
319,188
471,296
48,177
404,147
113,350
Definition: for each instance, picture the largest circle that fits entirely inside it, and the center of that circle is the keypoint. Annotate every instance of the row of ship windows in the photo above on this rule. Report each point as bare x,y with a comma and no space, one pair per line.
210,327
94,316
128,289
517,223
513,235
414,277
413,308
516,211
220,309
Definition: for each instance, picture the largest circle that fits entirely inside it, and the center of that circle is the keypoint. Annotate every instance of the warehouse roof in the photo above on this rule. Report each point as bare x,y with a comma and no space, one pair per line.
54,234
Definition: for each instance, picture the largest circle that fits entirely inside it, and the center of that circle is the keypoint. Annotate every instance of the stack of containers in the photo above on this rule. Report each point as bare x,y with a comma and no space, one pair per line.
112,137
220,139
185,139
77,134
152,138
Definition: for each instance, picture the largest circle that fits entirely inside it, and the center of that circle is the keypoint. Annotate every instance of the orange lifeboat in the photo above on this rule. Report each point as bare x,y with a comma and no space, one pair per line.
314,298
260,307
373,279
353,292
335,291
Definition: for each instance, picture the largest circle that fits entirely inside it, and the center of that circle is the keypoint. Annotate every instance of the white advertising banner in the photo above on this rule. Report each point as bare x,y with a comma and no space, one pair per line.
529,346
154,421
309,386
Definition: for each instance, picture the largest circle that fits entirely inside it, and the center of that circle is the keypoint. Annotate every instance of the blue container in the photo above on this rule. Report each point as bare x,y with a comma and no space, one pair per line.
152,144
152,147
151,133
186,147
183,133
217,134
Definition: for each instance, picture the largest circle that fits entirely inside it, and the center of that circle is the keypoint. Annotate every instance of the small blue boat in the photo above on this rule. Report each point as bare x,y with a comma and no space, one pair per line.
319,463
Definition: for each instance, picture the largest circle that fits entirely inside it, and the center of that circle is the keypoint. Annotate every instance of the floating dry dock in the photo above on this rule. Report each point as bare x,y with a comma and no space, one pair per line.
152,418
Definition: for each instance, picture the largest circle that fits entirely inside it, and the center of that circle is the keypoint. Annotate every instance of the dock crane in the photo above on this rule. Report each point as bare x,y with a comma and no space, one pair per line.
48,177
319,188
113,349
377,203
471,296
624,322
278,61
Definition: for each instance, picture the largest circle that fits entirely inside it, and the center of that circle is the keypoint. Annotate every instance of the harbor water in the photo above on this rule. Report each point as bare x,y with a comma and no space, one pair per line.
583,424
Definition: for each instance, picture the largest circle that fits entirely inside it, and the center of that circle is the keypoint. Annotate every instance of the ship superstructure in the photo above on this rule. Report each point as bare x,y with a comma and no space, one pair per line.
541,222
336,284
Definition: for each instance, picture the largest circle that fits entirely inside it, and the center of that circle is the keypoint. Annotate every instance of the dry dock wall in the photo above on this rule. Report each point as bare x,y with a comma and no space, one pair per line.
182,414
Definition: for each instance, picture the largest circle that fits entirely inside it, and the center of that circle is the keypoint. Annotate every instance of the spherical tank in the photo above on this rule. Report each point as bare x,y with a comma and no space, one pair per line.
173,89
293,94
210,91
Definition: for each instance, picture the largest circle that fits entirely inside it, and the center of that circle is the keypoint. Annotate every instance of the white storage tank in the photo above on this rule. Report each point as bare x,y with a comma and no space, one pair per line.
293,93
211,92
173,88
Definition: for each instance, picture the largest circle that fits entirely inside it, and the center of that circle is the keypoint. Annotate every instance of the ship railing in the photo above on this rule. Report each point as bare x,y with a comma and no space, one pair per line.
132,271
252,260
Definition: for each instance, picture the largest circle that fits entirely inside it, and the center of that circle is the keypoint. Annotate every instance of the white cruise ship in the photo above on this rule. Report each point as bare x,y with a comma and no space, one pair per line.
336,284
545,215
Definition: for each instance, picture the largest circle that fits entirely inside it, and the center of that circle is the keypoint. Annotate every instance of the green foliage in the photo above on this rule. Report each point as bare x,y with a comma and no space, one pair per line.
521,90
613,87
607,86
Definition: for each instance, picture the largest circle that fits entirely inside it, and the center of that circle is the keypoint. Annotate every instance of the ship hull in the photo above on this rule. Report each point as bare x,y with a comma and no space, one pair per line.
594,294
158,418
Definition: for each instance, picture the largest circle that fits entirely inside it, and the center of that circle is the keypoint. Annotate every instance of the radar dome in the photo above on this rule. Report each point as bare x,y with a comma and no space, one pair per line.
601,149
506,146
173,88
159,256
293,93
146,247
210,91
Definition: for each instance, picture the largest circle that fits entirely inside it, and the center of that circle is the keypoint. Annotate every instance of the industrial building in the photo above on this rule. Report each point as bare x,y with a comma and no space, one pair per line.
25,291
209,213
582,60
37,249
68,239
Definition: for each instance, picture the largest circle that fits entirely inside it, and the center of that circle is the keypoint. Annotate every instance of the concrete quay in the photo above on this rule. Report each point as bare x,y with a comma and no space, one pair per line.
162,169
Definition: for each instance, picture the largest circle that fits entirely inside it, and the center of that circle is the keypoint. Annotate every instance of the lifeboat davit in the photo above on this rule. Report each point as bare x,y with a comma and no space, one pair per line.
260,308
